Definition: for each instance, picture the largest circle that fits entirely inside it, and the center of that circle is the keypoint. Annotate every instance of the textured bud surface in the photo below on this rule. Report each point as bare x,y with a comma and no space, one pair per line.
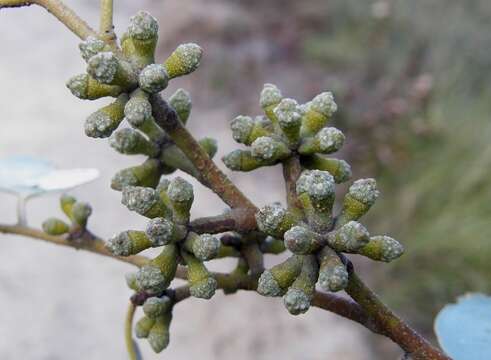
269,218
270,95
298,239
333,278
184,60
241,128
181,102
143,26
90,47
365,191
160,231
267,285
287,113
351,237
296,301
206,247
316,183
151,279
139,199
180,190
137,110
204,289
153,78
78,85
330,139
155,306
324,104
120,244
103,67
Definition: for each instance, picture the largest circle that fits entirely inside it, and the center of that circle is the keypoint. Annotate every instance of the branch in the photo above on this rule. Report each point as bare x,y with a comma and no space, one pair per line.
128,332
240,220
211,175
343,307
106,27
392,326
62,12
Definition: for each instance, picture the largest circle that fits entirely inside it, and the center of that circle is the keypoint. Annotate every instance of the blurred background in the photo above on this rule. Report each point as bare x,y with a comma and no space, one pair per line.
412,81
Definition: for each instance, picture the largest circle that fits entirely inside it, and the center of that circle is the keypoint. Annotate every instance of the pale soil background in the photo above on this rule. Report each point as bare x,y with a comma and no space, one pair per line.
57,303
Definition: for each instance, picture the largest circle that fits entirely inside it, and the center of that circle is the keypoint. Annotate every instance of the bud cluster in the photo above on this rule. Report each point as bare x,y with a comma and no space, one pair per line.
78,214
316,237
289,129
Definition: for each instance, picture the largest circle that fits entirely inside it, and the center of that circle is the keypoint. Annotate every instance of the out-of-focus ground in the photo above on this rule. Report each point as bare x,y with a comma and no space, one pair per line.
411,80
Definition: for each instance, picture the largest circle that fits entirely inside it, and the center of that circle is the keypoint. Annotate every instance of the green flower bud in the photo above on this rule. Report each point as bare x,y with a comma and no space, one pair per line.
161,232
181,102
86,88
349,238
80,213
143,326
289,119
66,204
91,46
54,226
130,142
144,201
359,199
131,281
153,78
382,248
104,121
269,99
299,296
274,220
143,32
204,247
106,68
317,113
269,150
333,275
157,306
339,169
275,281
138,112
158,274
181,195
326,141
242,160
145,175
209,145
318,185
246,131
158,338
270,245
202,284
302,241
128,243
184,60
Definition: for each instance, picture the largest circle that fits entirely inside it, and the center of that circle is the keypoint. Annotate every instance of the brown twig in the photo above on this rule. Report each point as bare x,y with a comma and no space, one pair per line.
62,12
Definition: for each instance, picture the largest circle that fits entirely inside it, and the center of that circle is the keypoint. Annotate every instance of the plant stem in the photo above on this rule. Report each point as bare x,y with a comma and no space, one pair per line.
239,220
211,175
106,27
391,325
291,172
62,12
128,332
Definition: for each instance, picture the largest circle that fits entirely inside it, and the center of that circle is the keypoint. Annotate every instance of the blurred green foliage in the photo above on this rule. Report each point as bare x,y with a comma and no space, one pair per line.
437,189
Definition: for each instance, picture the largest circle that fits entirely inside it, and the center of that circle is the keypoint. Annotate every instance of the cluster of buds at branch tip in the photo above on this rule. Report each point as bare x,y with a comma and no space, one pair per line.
289,129
78,214
154,325
310,230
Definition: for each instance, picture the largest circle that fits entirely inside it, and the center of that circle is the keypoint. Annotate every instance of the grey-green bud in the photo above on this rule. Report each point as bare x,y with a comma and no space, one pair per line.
153,78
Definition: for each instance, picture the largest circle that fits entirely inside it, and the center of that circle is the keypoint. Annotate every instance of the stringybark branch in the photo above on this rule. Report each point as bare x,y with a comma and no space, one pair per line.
62,12
240,220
